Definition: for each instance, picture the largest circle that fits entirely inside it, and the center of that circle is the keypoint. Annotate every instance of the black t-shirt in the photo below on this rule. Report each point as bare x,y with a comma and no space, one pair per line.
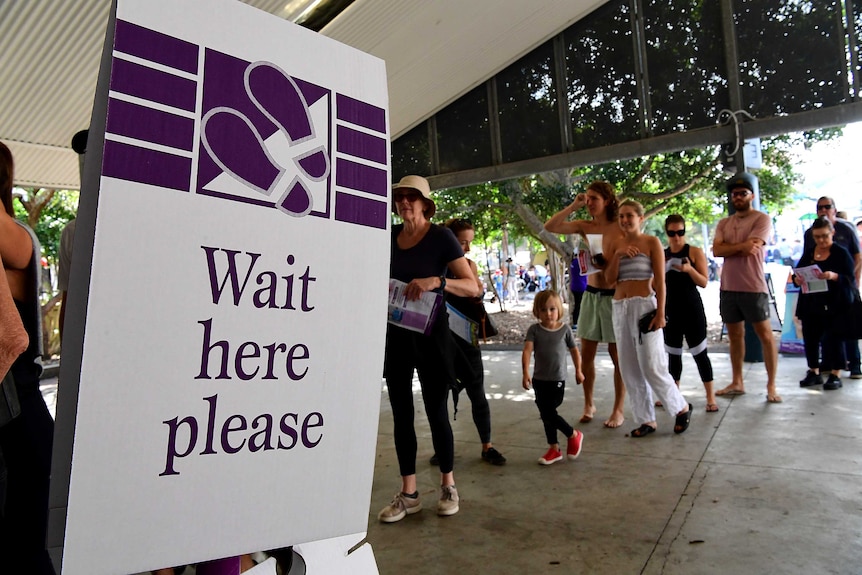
429,258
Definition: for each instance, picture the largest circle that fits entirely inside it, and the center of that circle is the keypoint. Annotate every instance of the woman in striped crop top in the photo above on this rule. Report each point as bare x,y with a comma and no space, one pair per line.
637,264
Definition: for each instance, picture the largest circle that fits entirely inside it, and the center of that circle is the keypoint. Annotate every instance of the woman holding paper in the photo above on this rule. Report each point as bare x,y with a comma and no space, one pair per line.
820,308
686,271
422,254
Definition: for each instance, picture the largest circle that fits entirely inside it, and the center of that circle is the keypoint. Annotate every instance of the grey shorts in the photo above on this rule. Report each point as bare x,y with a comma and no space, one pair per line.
737,306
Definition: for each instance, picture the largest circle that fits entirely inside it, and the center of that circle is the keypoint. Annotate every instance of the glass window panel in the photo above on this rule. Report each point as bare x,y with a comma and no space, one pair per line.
527,101
791,55
463,132
685,61
601,87
411,154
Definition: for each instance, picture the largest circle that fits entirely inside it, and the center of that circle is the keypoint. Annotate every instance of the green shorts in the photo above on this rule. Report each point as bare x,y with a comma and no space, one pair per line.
595,322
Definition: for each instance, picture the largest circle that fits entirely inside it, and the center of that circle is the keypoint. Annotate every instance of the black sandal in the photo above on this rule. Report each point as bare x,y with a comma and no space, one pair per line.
682,421
643,430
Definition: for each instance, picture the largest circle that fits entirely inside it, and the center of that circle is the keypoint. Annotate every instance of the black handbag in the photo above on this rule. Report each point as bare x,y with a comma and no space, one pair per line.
10,408
644,324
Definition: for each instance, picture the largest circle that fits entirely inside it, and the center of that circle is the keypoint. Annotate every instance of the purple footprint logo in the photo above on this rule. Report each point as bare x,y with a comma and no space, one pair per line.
236,146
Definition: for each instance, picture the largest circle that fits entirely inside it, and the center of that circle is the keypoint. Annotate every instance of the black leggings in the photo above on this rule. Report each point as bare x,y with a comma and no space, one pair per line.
431,356
692,327
470,373
549,396
26,446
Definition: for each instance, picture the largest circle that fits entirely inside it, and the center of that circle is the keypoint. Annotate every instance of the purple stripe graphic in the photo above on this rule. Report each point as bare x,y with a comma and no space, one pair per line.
153,85
361,145
126,162
149,125
362,211
156,47
360,113
361,177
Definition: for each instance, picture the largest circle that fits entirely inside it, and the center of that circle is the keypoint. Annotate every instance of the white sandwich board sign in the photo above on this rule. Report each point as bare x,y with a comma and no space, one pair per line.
224,340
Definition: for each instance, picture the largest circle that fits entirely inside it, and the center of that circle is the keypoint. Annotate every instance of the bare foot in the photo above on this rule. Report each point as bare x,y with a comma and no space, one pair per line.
615,420
731,390
771,395
589,412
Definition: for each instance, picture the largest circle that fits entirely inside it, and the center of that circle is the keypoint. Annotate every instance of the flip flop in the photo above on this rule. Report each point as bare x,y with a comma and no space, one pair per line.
711,407
682,420
729,392
643,430
773,398
586,418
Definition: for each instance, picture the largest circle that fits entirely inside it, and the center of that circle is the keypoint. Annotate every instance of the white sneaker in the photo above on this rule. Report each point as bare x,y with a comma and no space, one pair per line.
401,507
448,503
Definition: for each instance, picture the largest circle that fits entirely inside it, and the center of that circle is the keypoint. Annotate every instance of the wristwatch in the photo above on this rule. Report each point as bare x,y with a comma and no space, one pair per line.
442,282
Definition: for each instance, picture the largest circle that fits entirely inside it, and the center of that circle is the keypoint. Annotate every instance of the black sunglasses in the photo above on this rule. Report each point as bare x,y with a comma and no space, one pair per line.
824,207
672,233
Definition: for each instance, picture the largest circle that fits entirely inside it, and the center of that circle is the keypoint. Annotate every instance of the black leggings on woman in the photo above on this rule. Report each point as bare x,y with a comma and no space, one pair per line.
470,373
432,357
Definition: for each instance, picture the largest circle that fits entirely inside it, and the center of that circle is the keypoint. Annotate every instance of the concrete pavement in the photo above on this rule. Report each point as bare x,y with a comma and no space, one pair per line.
754,488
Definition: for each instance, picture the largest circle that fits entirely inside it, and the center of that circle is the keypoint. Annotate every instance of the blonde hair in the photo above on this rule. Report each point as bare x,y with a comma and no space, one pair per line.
638,207
544,297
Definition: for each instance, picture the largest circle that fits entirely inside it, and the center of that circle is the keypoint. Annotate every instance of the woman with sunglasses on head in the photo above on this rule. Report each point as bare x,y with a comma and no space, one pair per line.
469,370
686,271
823,313
422,255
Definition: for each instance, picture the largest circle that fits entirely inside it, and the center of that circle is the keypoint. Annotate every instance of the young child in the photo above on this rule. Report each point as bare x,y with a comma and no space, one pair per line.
550,339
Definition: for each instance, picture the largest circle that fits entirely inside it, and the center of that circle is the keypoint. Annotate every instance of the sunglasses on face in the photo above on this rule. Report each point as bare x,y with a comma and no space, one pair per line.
740,193
824,207
821,236
672,233
410,197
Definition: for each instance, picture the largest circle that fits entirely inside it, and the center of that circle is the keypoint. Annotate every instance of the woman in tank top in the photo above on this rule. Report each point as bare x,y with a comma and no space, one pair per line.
686,271
637,264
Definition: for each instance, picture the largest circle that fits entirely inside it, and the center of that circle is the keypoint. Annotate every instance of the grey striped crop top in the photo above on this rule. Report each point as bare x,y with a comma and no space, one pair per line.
636,268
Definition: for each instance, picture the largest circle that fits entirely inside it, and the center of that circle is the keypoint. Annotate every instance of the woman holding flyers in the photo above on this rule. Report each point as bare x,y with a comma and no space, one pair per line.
422,253
821,311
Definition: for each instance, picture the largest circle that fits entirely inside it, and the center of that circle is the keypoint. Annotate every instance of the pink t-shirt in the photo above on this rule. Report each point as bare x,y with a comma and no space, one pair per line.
744,272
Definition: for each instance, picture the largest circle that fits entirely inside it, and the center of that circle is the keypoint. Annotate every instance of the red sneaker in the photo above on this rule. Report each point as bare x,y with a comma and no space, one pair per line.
573,448
552,456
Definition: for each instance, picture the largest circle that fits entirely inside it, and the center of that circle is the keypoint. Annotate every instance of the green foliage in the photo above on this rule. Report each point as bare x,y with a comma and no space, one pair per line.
52,216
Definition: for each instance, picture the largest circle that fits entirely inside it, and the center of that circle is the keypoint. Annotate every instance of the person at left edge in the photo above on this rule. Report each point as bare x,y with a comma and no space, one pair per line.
422,253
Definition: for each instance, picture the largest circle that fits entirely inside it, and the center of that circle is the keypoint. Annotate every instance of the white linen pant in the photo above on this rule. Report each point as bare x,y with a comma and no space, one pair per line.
643,361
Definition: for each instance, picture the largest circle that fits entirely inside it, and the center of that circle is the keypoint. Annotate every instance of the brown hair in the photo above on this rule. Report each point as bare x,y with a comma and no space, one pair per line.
7,177
606,191
543,297
674,219
634,204
458,225
822,222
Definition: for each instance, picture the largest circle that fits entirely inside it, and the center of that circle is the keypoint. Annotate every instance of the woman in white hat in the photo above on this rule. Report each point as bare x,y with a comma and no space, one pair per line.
422,253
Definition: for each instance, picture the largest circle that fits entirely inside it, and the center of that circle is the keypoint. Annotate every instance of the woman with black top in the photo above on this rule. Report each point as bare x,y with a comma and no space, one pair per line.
422,253
25,441
686,271
469,370
821,312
